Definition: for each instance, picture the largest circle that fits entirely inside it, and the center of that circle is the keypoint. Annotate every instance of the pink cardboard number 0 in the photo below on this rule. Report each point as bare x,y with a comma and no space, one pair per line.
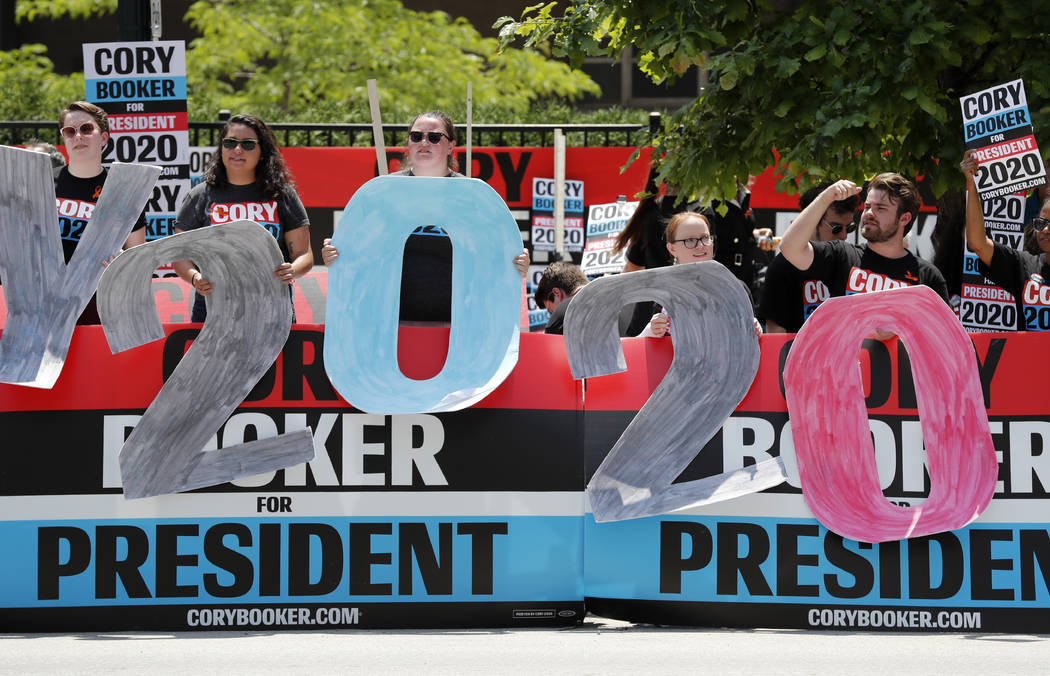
829,422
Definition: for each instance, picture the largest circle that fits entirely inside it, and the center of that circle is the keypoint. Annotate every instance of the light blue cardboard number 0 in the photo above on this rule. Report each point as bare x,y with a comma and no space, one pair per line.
364,293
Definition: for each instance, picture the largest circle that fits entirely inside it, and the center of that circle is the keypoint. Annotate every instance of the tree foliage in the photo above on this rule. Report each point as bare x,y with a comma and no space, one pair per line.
289,60
839,88
32,90
293,60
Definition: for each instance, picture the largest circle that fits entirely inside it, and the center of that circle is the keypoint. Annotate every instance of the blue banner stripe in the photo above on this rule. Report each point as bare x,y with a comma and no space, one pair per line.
136,89
532,559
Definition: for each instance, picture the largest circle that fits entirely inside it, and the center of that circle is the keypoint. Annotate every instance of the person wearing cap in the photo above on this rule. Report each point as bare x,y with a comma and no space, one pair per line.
790,296
1022,273
560,281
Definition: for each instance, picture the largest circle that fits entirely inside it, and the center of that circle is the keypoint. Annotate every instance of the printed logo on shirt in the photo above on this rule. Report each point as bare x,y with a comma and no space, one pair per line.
866,281
1035,300
814,292
73,216
431,230
263,213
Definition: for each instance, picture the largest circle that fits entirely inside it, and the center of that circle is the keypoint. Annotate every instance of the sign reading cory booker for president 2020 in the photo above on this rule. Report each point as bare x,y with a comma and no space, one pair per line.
142,88
997,124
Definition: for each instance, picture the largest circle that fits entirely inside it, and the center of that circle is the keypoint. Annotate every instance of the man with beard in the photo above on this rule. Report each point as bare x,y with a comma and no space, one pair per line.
890,210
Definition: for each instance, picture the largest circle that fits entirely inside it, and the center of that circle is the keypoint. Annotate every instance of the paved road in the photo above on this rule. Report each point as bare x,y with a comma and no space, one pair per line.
597,647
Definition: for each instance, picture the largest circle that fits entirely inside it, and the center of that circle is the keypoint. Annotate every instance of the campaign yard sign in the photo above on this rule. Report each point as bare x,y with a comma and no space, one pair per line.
543,215
604,223
997,124
142,88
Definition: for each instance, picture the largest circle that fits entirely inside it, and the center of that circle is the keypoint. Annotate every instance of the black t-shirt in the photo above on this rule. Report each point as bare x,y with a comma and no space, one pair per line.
556,323
1013,270
213,205
790,296
75,200
850,268
426,275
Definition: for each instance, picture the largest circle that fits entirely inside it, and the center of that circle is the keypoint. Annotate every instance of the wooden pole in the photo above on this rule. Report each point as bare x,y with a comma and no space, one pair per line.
377,127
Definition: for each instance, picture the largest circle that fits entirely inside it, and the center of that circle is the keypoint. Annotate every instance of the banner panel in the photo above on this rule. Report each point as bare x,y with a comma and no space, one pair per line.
471,518
764,560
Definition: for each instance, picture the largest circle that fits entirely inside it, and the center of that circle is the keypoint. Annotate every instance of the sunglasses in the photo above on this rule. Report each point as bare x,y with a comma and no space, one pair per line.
1038,224
433,137
229,143
86,129
837,229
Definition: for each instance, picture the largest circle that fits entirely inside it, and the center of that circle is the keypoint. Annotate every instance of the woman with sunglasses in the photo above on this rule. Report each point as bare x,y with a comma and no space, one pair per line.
1023,273
426,282
246,179
85,131
689,240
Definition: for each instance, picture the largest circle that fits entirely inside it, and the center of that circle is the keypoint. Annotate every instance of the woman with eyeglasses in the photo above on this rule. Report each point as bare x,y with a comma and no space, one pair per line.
1022,273
689,240
246,179
85,131
426,281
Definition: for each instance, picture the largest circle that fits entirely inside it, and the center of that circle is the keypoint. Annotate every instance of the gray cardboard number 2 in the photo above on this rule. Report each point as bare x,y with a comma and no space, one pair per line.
249,318
715,359
44,294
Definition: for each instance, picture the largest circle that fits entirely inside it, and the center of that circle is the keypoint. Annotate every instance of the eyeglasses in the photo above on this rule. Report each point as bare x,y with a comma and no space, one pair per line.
86,129
837,228
433,137
691,242
1038,224
229,143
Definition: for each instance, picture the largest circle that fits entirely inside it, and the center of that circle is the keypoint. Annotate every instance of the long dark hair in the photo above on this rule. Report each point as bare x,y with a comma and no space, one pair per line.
635,231
271,173
450,129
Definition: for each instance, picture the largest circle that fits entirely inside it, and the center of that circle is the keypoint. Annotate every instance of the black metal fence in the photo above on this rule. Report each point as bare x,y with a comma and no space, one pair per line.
360,134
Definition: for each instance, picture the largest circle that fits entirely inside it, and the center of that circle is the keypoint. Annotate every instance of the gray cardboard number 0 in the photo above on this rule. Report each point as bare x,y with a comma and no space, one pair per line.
249,318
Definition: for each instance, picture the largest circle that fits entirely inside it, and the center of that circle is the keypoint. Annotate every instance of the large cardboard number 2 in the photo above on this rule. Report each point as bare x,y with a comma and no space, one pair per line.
249,318
45,295
829,423
360,348
715,359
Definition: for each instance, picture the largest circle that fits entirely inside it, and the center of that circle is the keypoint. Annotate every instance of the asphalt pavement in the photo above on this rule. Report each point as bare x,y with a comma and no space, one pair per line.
598,646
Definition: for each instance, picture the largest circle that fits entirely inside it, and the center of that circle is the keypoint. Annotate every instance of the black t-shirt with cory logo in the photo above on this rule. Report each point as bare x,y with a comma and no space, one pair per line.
75,200
847,269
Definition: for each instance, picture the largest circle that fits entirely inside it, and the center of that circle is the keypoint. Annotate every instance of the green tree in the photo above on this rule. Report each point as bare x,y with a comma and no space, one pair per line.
32,90
839,88
293,60
289,60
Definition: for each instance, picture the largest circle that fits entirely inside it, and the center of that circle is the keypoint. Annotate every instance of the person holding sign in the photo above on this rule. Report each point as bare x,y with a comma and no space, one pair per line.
884,262
246,179
689,240
78,185
1022,273
426,281
789,296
